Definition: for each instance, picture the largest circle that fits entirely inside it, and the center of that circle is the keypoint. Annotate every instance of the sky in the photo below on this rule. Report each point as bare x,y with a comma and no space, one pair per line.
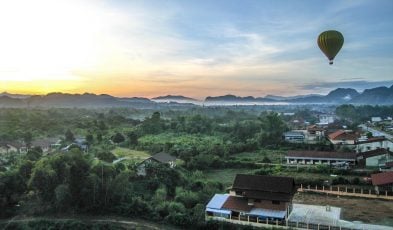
195,48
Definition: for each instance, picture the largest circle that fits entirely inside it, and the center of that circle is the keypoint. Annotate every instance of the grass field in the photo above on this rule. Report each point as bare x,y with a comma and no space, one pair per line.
225,176
275,156
130,153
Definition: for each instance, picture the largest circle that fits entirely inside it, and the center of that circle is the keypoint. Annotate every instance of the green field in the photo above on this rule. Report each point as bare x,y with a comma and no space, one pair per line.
130,153
225,176
275,156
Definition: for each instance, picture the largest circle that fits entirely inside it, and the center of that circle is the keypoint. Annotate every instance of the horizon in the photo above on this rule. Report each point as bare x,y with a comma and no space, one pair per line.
195,49
186,96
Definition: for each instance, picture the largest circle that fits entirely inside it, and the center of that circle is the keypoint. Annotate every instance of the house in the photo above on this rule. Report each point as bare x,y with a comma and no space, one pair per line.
315,133
343,137
12,147
383,181
254,197
46,144
294,136
325,119
376,119
161,158
374,158
79,142
364,145
320,157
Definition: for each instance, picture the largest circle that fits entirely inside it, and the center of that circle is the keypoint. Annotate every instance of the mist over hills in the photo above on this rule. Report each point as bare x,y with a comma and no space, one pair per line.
380,95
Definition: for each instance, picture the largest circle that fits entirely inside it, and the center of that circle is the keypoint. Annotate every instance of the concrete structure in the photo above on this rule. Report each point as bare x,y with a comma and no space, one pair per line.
374,158
320,157
372,144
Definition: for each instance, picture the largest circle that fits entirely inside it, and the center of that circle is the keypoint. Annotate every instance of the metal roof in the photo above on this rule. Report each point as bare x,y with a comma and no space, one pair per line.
267,213
217,201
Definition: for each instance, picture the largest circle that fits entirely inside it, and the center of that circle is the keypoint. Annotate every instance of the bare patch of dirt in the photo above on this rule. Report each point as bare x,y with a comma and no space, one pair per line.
353,209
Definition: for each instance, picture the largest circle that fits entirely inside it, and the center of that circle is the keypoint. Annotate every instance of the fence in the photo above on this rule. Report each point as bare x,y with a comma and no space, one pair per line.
285,224
348,191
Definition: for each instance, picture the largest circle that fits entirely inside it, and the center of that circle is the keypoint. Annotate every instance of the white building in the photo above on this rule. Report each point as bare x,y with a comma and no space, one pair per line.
325,119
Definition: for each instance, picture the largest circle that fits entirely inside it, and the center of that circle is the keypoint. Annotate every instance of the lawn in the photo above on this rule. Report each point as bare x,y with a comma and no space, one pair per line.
275,156
225,176
130,153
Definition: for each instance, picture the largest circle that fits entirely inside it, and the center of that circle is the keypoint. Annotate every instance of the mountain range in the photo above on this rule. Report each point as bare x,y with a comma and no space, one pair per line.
375,96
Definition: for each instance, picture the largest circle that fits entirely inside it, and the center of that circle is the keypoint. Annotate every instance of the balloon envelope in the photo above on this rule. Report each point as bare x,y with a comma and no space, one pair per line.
330,42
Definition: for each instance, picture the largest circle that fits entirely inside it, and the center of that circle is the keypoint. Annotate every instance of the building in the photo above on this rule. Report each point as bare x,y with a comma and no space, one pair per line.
254,197
374,158
325,119
376,119
294,136
160,158
12,147
46,144
383,181
315,133
364,145
343,137
320,157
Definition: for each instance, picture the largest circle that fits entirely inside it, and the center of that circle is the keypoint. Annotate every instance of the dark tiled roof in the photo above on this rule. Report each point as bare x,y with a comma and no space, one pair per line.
382,178
264,183
314,128
372,153
237,204
268,195
163,157
322,154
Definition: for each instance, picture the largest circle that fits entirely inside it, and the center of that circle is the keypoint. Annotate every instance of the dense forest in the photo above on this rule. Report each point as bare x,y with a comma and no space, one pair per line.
81,182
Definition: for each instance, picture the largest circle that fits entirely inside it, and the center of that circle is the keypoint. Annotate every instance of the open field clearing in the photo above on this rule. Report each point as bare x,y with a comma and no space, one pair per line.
353,209
131,154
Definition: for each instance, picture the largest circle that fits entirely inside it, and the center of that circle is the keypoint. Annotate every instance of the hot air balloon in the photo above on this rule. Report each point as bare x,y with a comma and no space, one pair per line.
330,42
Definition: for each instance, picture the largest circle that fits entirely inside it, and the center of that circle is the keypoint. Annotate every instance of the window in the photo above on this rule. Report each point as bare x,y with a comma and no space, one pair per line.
275,202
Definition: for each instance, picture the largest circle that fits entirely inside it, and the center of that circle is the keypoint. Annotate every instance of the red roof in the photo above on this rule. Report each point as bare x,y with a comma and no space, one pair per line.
384,178
342,135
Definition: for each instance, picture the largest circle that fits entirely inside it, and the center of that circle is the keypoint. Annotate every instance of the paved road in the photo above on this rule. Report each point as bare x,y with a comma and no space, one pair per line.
378,132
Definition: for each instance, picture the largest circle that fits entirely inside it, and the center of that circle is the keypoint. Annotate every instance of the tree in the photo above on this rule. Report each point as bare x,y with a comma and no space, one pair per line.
27,138
89,138
69,136
62,197
118,138
34,154
272,127
133,138
106,156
